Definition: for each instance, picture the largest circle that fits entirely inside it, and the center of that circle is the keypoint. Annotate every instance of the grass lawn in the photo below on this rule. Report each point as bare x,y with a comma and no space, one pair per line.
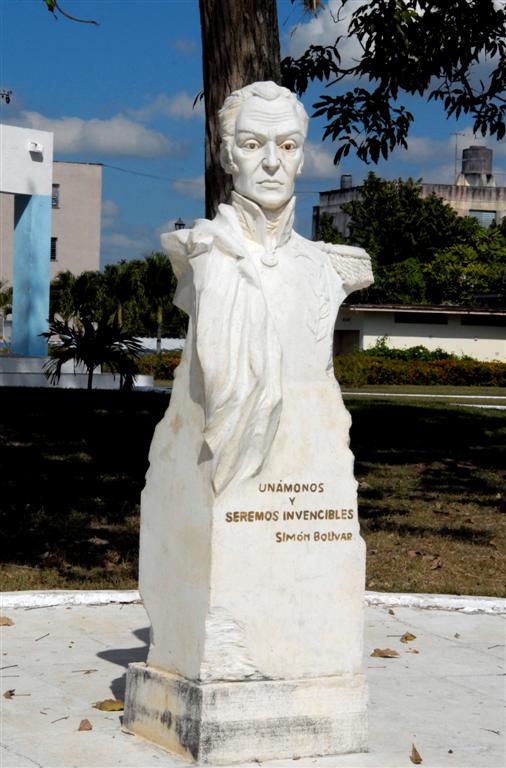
72,465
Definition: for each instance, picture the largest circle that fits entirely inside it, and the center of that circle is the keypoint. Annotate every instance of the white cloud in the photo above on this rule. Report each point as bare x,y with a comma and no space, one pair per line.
109,213
318,162
180,105
115,136
191,187
118,246
323,29
118,240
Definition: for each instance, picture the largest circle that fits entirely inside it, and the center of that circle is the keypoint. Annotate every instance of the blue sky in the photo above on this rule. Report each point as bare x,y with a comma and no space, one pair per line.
121,94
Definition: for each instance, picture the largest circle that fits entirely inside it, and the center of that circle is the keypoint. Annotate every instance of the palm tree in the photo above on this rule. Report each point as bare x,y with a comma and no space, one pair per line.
159,286
5,305
92,344
61,295
121,280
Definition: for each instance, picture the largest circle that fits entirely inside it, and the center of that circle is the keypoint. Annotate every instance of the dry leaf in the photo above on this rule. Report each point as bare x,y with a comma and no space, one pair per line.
5,621
456,635
415,756
384,653
110,705
391,612
428,557
85,725
438,563
10,693
407,637
412,650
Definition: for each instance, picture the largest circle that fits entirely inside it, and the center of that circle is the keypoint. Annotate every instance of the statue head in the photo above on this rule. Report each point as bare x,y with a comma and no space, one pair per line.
263,127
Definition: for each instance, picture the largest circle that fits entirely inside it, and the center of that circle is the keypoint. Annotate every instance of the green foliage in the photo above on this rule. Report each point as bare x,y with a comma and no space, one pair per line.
160,366
401,283
136,295
382,364
455,372
470,274
393,222
422,251
327,232
408,48
383,351
5,299
91,344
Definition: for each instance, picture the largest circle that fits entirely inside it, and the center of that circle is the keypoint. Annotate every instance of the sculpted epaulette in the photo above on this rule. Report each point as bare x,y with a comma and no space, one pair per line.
352,264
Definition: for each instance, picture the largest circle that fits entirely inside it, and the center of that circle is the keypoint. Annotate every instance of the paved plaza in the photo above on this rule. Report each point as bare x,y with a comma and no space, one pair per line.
444,692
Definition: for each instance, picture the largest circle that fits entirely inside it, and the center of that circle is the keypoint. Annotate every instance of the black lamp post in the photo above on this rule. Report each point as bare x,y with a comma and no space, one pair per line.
179,224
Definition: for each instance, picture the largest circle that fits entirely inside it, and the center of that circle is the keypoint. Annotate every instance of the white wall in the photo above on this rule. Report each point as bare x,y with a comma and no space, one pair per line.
23,172
480,342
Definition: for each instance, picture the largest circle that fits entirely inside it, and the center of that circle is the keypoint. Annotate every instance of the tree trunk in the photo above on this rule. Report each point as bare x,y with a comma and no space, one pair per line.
240,45
159,319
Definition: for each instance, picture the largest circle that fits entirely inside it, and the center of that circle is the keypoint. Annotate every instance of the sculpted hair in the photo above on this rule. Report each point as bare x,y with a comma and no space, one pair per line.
228,113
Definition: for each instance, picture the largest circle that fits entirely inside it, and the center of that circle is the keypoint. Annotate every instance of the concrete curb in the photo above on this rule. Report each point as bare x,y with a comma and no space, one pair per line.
49,598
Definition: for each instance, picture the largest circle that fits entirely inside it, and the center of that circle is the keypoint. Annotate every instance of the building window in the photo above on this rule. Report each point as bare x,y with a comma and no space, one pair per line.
484,218
54,243
493,321
55,196
425,318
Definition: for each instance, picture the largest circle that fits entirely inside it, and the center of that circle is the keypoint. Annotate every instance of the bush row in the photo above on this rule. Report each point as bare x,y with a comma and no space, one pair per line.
421,353
161,367
360,369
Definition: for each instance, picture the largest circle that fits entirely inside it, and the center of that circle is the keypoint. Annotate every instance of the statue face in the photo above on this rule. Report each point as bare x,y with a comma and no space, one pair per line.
267,151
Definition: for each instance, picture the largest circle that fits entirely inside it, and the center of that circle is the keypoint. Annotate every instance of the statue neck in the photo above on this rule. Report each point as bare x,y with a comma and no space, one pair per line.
270,229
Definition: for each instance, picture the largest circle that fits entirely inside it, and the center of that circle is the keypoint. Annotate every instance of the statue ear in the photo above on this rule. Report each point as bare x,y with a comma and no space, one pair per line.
226,161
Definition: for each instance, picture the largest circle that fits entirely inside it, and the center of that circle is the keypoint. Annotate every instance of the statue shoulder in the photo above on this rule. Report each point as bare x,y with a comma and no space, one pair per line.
352,264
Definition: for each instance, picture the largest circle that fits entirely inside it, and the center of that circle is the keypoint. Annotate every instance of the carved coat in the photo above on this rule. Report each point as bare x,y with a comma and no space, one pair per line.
262,302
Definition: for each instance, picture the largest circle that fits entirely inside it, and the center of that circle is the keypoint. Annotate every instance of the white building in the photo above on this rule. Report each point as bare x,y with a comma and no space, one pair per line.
478,333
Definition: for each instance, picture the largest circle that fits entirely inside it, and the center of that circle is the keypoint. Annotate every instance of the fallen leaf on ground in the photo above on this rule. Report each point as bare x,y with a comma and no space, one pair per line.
391,612
438,563
456,635
428,557
407,637
85,725
5,621
110,705
384,653
10,693
413,552
412,650
415,756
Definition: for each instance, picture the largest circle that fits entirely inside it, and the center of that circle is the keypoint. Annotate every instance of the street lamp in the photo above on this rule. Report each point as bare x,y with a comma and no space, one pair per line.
179,224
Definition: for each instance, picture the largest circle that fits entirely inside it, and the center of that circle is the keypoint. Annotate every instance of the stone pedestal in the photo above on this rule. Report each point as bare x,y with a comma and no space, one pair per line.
236,722
255,596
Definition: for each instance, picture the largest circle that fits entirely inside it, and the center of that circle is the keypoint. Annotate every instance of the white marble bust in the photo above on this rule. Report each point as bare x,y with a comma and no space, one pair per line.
262,300
251,562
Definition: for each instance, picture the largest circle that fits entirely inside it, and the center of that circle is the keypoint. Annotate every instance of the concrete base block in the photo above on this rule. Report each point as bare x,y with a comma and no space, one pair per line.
233,722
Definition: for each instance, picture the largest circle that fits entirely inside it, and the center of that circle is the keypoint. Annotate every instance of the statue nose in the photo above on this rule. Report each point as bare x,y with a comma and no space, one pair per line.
271,158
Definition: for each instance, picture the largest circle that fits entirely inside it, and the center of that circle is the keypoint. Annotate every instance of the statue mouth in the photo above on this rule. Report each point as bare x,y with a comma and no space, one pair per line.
271,183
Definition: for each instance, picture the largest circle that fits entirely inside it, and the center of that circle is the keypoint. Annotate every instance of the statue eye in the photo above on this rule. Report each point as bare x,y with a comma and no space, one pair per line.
289,146
251,144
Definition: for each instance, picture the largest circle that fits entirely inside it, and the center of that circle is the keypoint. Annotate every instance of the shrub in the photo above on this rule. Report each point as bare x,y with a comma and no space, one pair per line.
455,371
381,349
159,366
